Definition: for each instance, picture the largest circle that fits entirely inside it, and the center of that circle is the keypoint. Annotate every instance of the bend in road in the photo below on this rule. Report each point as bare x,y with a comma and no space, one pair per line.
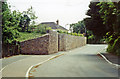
80,62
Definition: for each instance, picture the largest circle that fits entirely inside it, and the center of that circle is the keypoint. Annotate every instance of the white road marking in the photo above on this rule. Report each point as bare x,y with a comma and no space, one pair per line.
27,74
116,65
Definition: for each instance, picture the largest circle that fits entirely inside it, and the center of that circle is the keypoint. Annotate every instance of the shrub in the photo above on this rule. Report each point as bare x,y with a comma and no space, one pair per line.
65,32
81,35
116,45
48,28
75,34
40,29
111,38
110,48
59,31
91,37
70,33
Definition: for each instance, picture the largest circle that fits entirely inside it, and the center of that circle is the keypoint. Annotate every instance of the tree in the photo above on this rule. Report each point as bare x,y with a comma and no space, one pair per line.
78,27
95,23
27,19
10,22
15,21
24,22
110,13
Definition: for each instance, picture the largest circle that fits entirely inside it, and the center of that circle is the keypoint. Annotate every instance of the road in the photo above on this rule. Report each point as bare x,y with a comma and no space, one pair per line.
80,62
17,66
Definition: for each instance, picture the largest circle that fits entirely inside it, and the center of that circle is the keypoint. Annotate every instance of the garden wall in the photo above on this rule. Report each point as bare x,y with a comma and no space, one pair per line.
51,43
67,42
43,45
10,50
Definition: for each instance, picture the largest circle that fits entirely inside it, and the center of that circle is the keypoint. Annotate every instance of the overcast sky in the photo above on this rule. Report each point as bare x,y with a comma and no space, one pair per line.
66,11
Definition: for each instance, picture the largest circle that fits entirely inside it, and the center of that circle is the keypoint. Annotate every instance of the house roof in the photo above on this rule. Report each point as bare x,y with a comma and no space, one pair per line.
53,25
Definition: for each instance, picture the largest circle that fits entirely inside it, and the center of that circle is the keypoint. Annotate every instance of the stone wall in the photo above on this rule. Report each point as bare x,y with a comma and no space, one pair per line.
51,43
46,44
67,42
35,46
61,42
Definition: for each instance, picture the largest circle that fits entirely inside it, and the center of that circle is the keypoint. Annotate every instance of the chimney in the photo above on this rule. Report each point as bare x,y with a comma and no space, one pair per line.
57,22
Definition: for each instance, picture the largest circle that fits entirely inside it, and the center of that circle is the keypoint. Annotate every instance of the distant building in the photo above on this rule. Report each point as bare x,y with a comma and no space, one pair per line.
54,25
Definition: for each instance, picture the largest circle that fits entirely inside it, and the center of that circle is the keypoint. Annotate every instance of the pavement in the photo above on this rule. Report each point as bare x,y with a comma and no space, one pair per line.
80,62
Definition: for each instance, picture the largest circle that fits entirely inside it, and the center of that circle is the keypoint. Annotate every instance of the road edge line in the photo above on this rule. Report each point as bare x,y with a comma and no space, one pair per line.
28,71
116,65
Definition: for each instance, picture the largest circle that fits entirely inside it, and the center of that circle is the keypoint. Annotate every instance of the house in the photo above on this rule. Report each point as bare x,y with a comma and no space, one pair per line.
54,26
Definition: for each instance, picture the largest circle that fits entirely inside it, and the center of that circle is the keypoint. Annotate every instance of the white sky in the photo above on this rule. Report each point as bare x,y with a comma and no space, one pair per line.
66,11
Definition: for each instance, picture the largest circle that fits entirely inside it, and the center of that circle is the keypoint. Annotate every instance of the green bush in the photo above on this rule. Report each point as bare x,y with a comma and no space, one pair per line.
75,34
48,28
110,48
10,22
59,31
62,31
81,35
70,33
111,38
40,29
115,47
91,37
65,32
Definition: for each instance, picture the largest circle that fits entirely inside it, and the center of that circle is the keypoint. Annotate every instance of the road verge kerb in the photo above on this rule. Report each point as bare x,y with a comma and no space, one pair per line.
116,65
53,57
